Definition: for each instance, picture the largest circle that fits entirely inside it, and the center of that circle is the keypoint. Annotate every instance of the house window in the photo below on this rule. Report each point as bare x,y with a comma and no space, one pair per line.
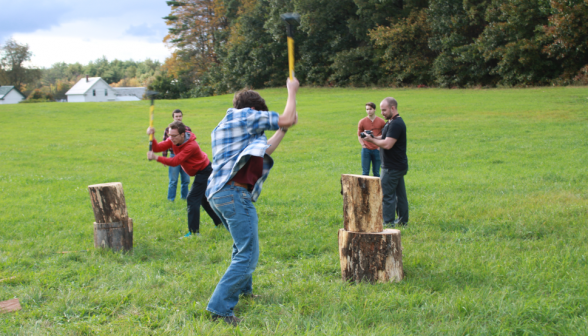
106,92
94,92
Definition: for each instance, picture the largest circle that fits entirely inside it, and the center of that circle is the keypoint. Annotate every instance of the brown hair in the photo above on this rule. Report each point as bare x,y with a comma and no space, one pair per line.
371,104
177,111
179,126
391,102
249,98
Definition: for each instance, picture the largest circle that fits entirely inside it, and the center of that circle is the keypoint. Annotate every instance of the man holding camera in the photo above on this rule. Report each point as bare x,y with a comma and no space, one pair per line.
394,164
370,153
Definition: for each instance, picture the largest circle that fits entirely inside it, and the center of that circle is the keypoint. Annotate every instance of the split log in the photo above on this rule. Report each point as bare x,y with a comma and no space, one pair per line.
113,227
373,257
9,306
362,203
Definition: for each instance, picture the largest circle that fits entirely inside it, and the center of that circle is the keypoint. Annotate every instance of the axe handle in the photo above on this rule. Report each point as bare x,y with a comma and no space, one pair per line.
151,125
291,56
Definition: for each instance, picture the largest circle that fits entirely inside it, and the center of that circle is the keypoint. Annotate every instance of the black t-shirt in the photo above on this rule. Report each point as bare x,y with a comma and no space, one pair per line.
395,158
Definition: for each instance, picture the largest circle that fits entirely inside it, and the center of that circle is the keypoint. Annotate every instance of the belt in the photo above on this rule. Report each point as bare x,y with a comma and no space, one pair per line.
242,185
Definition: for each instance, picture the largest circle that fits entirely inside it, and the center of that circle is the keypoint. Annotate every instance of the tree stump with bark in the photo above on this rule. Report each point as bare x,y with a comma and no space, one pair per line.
362,203
373,257
367,251
113,227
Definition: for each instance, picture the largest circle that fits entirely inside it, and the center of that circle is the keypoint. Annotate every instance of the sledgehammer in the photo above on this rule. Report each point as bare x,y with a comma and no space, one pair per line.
291,20
151,94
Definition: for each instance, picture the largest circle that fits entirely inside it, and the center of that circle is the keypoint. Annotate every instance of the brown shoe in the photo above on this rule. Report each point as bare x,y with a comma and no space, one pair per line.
232,320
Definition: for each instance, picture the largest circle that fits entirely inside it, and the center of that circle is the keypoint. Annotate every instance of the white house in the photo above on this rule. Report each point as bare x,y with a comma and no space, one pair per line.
90,89
10,95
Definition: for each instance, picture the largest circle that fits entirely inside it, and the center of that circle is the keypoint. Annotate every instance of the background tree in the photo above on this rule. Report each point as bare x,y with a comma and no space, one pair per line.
13,57
568,34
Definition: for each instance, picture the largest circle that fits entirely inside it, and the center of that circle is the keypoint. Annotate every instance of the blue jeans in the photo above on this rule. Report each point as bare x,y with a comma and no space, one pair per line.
234,206
173,182
370,156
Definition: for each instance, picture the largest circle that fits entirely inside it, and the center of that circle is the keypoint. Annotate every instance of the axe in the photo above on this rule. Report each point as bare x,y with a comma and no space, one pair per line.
291,20
151,95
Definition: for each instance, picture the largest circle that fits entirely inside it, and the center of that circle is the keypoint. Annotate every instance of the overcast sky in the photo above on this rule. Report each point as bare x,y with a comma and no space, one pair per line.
81,31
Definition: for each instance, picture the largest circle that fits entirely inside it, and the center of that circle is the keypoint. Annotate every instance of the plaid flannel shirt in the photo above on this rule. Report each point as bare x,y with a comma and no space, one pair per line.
237,137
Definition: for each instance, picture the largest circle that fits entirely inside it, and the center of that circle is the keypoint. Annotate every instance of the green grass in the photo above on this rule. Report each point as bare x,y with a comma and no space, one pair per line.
496,245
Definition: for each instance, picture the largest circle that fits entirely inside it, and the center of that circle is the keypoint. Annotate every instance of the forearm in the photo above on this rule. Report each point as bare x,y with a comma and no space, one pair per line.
274,141
384,144
361,142
288,118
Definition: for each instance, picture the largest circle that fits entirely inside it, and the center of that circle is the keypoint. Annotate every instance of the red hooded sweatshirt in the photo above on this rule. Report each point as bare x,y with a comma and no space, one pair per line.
188,155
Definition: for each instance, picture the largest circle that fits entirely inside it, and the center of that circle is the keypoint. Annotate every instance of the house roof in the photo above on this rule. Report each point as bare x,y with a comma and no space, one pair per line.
4,90
82,86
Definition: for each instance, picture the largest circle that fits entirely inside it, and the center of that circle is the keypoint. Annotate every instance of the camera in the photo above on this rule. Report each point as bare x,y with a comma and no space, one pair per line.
365,134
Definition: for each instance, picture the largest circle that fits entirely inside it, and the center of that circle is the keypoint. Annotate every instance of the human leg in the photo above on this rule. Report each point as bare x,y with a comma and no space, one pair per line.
365,161
194,200
402,205
376,162
215,218
389,181
237,212
173,182
185,178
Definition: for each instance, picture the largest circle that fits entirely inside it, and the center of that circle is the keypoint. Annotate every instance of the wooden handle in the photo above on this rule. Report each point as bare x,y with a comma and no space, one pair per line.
151,109
291,56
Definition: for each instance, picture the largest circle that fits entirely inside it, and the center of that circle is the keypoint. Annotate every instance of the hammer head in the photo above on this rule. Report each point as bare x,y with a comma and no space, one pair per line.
291,20
151,95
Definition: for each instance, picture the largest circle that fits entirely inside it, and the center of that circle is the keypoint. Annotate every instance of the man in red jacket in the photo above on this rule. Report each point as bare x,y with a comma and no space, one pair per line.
194,162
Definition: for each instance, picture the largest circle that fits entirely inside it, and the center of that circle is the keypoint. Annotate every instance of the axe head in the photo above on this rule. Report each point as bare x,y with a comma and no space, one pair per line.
151,95
291,19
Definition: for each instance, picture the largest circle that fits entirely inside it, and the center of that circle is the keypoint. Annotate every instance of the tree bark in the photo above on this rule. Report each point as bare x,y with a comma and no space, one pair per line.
362,203
372,257
113,228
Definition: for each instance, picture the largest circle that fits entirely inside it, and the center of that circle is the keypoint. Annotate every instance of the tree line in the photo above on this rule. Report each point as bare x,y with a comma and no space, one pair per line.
47,84
225,45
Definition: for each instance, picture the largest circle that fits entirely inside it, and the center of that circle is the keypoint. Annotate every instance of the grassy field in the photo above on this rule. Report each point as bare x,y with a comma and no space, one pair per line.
496,244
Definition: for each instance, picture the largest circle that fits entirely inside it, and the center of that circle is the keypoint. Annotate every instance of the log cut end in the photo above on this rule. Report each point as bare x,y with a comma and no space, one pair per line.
372,257
9,306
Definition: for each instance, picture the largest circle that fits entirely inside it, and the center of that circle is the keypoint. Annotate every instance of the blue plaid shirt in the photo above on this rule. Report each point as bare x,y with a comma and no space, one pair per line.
237,137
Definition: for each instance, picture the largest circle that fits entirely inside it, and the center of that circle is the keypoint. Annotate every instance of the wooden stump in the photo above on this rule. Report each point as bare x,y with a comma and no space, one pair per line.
373,257
9,306
362,203
113,227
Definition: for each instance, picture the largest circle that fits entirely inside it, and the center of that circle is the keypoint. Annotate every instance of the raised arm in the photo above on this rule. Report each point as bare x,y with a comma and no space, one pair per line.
288,118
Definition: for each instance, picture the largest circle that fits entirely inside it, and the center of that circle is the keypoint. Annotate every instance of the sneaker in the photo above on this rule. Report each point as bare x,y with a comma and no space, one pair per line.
187,235
389,225
399,223
232,320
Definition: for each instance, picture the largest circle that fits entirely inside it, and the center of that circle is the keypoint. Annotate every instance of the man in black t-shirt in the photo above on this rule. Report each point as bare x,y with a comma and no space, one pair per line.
394,164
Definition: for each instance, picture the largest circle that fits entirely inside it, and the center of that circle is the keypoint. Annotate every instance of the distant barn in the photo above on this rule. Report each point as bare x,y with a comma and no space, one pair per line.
10,95
95,89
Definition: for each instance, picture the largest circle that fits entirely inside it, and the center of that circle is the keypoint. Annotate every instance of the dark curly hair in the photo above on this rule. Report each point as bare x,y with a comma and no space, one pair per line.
179,126
249,98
